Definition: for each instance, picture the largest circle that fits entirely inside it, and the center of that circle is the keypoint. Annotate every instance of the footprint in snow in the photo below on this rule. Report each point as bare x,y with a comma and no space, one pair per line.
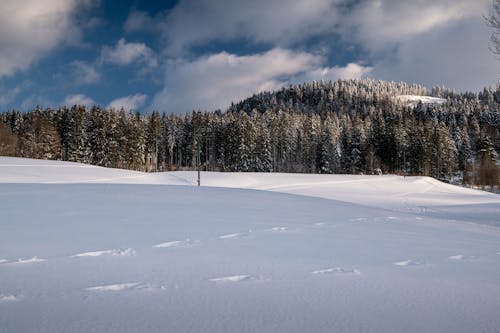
358,219
126,253
115,287
460,257
20,261
233,236
7,298
409,263
336,270
231,279
126,287
178,243
320,224
279,229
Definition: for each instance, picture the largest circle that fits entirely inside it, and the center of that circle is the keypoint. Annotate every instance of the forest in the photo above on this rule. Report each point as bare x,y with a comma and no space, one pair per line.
344,126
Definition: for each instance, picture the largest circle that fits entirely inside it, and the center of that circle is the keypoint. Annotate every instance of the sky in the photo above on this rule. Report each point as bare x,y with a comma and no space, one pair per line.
179,56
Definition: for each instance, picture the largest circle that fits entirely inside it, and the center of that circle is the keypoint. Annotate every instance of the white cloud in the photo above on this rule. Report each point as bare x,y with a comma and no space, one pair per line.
30,29
455,56
377,23
126,53
350,71
85,73
280,22
213,82
132,102
78,99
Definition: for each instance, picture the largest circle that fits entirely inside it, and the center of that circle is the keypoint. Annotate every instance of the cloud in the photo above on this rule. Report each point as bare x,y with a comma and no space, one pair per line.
278,22
126,53
423,41
30,29
454,56
350,71
377,23
132,102
85,73
78,99
214,81
141,21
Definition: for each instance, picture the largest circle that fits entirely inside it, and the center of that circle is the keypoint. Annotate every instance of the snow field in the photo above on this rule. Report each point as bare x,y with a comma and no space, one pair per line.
149,258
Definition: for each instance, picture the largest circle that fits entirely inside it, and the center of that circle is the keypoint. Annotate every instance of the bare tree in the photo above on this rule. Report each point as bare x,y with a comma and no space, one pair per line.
493,20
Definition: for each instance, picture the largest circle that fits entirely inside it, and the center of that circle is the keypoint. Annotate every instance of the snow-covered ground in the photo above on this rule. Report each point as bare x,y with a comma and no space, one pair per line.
89,249
413,100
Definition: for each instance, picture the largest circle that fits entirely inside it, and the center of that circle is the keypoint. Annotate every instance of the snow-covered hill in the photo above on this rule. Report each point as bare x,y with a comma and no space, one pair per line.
92,249
413,100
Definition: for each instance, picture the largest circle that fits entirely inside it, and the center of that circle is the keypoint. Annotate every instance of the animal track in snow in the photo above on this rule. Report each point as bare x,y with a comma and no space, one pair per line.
358,219
7,298
230,279
279,229
19,261
336,270
127,253
115,287
178,243
460,257
232,236
409,263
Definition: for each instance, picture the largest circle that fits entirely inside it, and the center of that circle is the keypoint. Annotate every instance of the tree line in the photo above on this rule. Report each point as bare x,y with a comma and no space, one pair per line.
344,126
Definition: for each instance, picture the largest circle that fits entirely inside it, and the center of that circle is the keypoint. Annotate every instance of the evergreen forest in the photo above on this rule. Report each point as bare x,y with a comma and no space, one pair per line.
344,126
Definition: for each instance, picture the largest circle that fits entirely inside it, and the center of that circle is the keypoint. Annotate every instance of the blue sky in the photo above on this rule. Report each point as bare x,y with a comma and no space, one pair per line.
176,56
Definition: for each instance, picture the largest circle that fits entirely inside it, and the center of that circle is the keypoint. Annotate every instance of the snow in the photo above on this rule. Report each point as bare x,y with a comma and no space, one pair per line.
233,278
413,100
7,298
32,260
336,270
114,287
409,263
133,252
183,243
126,252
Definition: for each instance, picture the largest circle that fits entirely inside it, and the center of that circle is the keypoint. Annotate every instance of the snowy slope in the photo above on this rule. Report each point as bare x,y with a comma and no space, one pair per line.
87,249
413,100
422,195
